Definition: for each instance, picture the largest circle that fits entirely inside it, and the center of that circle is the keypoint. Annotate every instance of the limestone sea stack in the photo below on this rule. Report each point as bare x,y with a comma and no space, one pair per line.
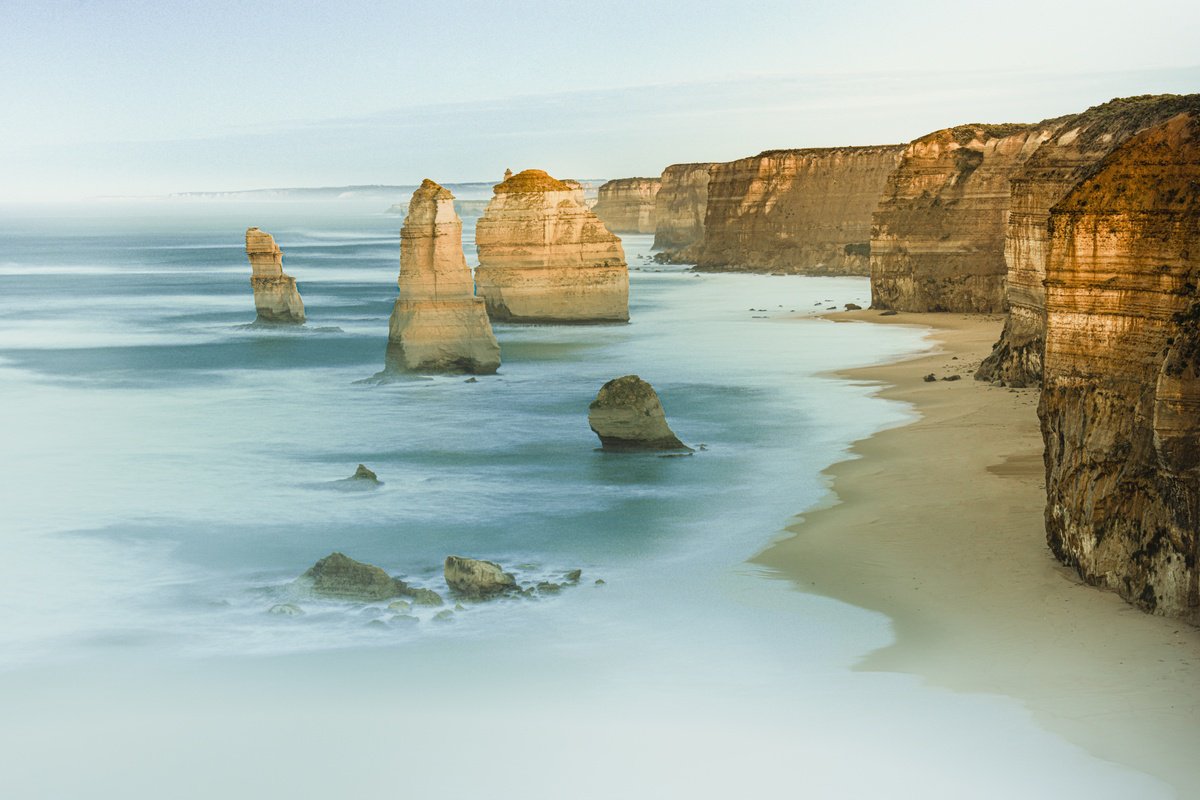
627,415
679,209
275,295
938,238
437,323
796,211
1053,170
626,205
544,256
1120,405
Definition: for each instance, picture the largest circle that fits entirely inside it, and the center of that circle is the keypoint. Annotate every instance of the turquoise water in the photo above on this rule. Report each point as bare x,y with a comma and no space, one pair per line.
169,469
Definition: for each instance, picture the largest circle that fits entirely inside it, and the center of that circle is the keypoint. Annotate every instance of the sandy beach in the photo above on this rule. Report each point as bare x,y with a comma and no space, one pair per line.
938,525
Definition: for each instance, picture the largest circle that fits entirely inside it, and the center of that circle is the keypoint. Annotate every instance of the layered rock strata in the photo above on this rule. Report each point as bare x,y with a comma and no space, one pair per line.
544,256
1052,171
796,211
275,295
1120,406
437,323
938,237
679,209
627,415
626,205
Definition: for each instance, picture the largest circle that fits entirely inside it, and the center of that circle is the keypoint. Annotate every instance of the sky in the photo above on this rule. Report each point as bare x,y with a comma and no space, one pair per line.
124,97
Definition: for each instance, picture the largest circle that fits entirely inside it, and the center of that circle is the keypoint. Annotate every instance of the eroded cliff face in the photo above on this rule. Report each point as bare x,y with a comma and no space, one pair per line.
544,256
938,237
626,205
679,209
1052,171
796,211
276,297
437,323
1120,405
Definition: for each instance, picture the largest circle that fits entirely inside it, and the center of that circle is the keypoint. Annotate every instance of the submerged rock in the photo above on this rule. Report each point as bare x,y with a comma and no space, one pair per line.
286,610
340,577
627,415
477,579
275,295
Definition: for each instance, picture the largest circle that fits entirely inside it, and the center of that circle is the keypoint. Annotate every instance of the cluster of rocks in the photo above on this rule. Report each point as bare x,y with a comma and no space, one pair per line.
339,577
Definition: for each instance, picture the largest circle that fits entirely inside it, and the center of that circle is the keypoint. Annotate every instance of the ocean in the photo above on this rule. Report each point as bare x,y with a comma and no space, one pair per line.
170,468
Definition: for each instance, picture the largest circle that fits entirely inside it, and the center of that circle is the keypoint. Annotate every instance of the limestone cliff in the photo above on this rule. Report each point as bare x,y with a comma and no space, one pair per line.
797,211
679,209
626,205
937,242
544,256
437,323
1120,406
275,295
1052,171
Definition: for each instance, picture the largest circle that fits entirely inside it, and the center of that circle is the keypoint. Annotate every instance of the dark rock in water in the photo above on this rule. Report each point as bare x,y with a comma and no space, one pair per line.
853,307
573,576
930,378
601,582
472,379
364,474
952,378
627,415
888,313
444,616
401,620
340,577
546,587
477,579
831,308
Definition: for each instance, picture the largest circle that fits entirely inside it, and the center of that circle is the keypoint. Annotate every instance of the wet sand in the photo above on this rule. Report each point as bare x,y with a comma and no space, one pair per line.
938,525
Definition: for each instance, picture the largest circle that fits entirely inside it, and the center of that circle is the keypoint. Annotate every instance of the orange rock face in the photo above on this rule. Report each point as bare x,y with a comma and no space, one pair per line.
626,205
938,237
1053,170
1120,404
437,323
797,211
275,295
679,209
544,256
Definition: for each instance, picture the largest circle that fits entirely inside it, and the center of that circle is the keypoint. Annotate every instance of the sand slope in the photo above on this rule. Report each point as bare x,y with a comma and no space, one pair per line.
939,526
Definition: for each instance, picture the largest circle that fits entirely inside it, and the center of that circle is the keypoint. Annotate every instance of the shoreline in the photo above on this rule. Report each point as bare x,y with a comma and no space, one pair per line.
938,524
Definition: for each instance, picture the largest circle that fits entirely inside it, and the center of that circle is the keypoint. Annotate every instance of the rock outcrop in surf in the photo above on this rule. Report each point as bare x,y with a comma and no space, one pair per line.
544,256
437,322
276,297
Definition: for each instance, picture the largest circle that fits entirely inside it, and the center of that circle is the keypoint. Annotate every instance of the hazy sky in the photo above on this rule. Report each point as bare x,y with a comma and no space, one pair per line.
129,97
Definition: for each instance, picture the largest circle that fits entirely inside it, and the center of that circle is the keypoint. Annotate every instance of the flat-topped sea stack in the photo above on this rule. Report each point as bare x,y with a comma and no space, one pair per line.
1120,404
796,211
627,415
626,205
938,237
1052,171
679,209
437,323
275,295
544,256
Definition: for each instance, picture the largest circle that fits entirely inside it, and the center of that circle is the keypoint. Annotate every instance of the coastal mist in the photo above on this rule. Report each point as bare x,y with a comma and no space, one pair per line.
171,468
